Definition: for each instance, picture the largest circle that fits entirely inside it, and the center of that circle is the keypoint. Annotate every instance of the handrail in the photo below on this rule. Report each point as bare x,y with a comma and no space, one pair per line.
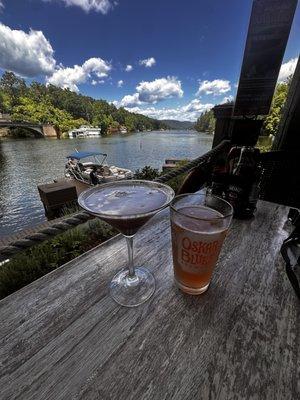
81,217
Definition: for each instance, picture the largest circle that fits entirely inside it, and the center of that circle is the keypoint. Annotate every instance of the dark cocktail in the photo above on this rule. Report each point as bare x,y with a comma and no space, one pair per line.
128,205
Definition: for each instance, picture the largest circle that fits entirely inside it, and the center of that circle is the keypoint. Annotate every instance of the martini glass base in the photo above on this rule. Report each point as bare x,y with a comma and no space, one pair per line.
132,291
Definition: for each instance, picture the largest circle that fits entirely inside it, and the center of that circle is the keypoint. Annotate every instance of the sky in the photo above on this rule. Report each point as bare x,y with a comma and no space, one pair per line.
167,59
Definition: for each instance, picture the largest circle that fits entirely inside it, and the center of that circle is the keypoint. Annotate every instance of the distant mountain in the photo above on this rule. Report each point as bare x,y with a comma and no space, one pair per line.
173,124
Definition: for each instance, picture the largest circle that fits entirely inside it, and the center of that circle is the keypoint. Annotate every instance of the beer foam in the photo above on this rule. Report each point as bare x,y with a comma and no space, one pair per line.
200,219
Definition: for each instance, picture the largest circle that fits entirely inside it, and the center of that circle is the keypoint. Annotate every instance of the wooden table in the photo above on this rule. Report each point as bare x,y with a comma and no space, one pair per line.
63,337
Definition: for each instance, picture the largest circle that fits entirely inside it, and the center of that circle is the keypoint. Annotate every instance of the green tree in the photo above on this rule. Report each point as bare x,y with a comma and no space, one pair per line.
147,173
130,123
271,123
44,112
206,122
41,104
38,91
106,123
5,102
11,88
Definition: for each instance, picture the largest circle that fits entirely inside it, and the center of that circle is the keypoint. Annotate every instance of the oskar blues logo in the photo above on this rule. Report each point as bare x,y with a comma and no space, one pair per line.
198,251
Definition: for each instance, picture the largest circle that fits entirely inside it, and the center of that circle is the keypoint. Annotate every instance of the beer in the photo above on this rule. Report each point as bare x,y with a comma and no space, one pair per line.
198,233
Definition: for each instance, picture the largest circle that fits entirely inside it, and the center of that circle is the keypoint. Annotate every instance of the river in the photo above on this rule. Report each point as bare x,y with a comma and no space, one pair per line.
26,163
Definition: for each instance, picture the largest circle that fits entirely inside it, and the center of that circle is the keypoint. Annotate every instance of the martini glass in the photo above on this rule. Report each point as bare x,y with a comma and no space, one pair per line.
127,205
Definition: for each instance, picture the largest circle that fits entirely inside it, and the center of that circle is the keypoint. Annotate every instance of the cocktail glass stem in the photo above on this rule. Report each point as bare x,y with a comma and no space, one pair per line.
127,206
129,241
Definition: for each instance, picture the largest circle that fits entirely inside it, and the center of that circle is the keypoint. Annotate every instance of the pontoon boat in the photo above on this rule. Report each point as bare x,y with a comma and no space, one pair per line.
84,131
80,171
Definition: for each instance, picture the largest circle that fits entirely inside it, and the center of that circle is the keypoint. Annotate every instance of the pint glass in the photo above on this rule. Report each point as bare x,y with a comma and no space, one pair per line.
199,223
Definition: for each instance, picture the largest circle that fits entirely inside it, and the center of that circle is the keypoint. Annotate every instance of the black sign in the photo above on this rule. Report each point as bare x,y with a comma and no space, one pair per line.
268,34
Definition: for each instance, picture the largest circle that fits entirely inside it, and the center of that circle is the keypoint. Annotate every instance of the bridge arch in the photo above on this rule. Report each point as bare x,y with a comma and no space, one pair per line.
40,130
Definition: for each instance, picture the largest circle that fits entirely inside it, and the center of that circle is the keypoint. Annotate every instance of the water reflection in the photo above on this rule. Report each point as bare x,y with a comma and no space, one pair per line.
26,163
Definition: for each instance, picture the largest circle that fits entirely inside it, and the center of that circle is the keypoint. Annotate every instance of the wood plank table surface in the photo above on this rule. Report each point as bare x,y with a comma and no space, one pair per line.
63,337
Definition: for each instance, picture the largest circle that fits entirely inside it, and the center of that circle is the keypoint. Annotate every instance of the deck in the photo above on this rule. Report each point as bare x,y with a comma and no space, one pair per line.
63,337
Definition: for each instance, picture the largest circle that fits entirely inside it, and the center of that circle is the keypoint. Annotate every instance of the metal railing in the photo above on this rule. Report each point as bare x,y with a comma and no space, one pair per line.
81,217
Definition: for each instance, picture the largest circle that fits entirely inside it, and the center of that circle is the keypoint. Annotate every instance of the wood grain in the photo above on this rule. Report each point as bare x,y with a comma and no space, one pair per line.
63,337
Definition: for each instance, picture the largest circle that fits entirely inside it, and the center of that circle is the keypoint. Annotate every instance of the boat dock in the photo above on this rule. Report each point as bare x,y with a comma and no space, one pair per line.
172,163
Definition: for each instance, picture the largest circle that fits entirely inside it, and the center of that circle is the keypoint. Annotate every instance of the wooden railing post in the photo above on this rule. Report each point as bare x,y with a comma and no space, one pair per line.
223,115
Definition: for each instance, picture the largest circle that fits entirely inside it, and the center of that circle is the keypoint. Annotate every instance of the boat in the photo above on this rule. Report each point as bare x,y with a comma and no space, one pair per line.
80,171
85,131
123,129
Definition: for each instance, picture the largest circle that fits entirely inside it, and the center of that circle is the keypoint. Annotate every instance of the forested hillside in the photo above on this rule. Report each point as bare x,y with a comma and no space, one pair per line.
174,124
271,123
206,121
65,109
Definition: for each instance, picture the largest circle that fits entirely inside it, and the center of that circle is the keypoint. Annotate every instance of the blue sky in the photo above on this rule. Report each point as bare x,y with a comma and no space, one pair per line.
184,56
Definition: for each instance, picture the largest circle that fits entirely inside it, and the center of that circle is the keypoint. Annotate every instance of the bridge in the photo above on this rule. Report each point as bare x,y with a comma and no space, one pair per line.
42,130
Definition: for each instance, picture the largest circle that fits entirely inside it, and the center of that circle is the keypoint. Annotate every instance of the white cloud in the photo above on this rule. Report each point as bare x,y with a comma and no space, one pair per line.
131,100
148,62
227,99
27,54
159,89
70,77
153,92
195,106
120,83
1,5
128,68
215,87
189,112
287,69
97,66
95,82
102,6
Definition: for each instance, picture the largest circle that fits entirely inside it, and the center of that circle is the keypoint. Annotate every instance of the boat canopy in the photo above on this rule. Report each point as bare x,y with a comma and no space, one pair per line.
84,154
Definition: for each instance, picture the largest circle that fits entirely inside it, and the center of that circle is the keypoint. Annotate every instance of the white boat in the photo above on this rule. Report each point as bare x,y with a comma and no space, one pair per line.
80,171
84,131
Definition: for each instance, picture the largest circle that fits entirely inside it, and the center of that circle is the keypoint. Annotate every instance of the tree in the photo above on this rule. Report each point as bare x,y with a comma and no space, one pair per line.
271,123
37,91
5,103
147,173
44,112
130,123
39,103
206,122
106,123
12,87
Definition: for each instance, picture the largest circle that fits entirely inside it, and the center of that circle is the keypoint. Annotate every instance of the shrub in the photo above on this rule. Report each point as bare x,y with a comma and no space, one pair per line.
32,264
147,173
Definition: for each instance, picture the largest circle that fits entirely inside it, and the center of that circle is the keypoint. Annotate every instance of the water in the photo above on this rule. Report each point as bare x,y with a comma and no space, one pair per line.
26,163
